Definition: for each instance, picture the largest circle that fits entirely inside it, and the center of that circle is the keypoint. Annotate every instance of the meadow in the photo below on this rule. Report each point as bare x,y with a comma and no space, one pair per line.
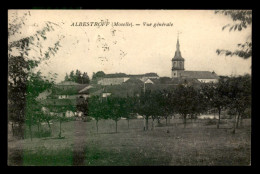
199,144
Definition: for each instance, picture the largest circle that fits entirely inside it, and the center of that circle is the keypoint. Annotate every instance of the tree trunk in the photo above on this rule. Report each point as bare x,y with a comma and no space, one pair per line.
184,121
97,125
60,129
241,121
237,121
30,129
38,128
234,126
144,124
147,123
116,126
49,124
12,128
166,120
170,120
192,121
219,111
20,130
153,124
176,124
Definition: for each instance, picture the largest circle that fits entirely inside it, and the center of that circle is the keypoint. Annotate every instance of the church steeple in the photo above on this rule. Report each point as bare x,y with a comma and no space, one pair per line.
177,55
177,61
178,44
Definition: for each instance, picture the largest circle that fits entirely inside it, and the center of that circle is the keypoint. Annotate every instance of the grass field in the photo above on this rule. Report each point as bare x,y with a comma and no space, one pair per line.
201,143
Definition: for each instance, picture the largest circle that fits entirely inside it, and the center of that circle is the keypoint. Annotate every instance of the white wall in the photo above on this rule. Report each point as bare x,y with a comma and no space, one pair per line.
208,80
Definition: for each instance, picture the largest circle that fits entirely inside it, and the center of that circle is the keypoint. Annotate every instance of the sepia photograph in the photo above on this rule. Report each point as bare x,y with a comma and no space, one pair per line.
129,87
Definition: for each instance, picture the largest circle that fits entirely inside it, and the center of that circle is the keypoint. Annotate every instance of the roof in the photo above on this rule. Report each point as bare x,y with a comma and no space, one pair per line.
149,81
134,81
67,83
85,90
44,94
177,55
117,75
199,75
68,88
112,81
97,92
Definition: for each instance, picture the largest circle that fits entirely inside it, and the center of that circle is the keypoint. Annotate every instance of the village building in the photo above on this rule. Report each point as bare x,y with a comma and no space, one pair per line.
119,78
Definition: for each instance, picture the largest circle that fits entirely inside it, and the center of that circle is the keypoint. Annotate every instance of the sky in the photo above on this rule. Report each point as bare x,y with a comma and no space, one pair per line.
138,49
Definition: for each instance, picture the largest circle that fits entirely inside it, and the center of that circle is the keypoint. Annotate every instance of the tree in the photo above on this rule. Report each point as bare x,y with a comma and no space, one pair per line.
97,75
240,96
46,116
96,109
131,108
66,77
148,106
61,116
117,108
82,106
185,100
35,85
25,53
243,19
199,104
78,77
85,77
72,76
217,96
166,103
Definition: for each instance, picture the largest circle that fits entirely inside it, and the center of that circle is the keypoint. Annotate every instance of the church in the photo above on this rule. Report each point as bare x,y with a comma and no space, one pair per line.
178,70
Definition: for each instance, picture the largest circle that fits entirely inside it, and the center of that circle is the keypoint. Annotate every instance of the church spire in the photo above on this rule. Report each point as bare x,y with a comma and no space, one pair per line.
177,55
178,44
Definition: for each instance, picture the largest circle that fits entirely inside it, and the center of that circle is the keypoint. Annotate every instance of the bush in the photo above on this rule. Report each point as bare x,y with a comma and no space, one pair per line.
86,119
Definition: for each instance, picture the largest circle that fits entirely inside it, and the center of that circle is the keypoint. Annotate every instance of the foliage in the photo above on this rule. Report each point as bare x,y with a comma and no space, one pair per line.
96,108
25,53
216,94
148,105
117,108
188,101
78,77
243,19
97,75
82,106
240,93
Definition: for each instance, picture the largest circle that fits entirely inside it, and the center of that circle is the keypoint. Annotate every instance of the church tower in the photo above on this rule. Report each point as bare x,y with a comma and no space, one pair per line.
177,61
